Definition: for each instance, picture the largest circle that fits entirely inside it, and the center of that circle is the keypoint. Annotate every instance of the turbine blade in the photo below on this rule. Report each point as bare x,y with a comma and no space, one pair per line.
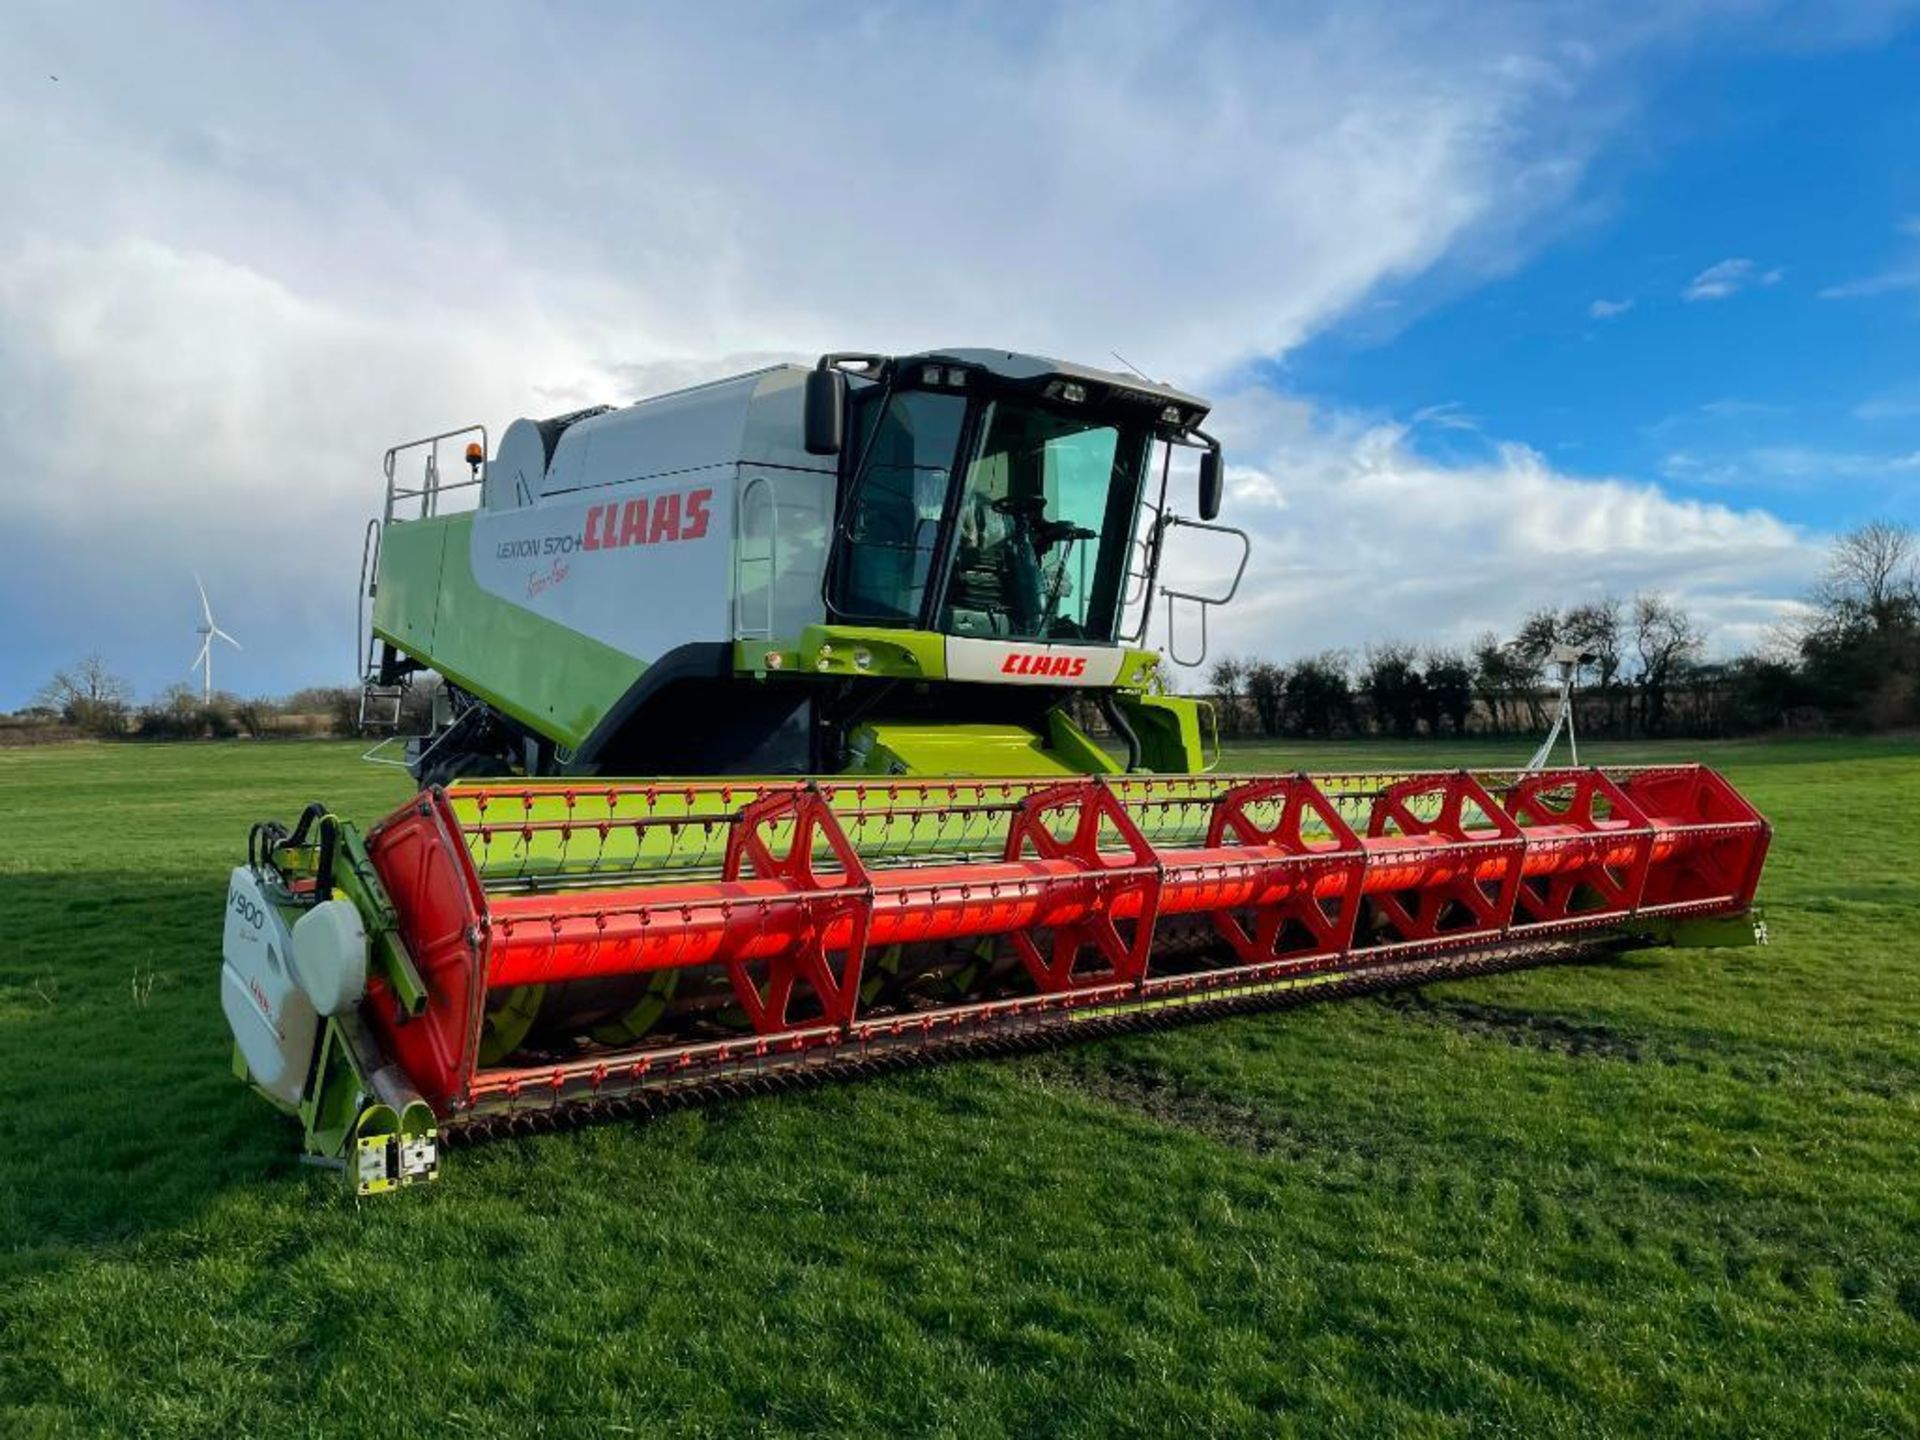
201,656
226,637
205,608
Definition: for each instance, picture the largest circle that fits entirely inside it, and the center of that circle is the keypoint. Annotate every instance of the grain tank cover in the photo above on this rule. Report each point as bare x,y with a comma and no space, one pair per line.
752,418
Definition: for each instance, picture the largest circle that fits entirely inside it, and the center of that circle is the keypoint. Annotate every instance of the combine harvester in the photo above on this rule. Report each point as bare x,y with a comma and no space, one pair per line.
851,621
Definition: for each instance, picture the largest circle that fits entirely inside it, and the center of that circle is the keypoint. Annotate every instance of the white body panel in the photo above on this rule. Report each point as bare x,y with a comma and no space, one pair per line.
642,566
518,469
271,1017
696,516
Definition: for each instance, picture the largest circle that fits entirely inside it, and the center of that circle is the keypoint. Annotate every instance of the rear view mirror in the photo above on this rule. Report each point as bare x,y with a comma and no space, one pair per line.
826,409
1212,481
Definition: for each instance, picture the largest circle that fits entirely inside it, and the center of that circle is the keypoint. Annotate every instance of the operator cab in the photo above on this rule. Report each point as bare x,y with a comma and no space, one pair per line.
989,494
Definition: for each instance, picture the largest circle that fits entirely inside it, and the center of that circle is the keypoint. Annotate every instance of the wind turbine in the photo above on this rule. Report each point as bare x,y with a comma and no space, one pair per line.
206,631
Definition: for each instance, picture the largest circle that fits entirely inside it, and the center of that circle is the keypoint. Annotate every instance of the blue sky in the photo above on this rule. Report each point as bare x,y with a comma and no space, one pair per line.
1501,305
1789,379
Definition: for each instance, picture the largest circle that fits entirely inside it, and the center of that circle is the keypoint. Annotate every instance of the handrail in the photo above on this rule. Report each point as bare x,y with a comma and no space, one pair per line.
369,580
1201,603
431,487
1209,763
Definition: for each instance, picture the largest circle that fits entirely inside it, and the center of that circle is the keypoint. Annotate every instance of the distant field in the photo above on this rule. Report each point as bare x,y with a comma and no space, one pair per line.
1678,1193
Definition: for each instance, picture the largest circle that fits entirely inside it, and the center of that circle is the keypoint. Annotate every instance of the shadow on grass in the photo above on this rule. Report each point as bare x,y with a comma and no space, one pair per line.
121,1114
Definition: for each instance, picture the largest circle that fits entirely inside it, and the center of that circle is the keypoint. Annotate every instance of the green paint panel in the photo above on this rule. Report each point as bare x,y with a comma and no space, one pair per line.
899,654
550,678
1169,731
936,749
408,598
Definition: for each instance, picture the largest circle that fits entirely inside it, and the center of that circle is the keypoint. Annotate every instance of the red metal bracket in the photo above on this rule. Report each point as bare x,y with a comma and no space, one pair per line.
1471,883
1582,865
1314,901
1135,875
443,918
834,908
1710,843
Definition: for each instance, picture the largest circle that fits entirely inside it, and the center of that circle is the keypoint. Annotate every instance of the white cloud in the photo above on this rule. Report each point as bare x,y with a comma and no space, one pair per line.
1363,538
1729,277
1875,477
1607,309
1807,464
245,250
1733,408
1445,416
1887,282
1896,278
1900,403
1689,468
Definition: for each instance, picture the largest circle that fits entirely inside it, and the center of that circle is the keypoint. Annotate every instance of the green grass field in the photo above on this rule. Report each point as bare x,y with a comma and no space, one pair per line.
1677,1193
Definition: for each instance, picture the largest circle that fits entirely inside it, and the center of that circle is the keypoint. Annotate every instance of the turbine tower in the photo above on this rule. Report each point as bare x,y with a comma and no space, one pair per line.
207,630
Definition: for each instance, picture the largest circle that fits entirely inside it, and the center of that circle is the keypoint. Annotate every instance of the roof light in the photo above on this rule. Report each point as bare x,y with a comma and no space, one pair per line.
1171,415
1072,391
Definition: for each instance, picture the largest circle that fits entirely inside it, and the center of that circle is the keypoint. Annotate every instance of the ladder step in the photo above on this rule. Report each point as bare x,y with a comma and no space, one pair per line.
380,704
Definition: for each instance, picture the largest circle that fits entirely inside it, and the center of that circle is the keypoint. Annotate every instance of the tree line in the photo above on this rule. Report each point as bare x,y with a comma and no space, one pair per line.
88,698
1849,660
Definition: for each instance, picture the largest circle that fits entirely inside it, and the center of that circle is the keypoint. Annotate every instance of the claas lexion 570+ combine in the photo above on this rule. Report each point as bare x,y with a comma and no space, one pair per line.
850,623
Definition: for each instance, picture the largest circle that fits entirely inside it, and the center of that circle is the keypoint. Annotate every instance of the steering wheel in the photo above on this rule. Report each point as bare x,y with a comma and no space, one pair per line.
1031,510
1030,507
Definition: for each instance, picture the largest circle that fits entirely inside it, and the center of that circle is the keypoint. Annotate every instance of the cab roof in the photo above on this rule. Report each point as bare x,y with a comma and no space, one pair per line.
1036,370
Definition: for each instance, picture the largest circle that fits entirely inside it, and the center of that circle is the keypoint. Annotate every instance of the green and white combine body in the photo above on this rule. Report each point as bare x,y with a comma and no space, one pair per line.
766,747
680,587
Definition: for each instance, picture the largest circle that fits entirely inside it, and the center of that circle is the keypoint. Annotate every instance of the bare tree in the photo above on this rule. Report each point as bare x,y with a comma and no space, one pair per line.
254,716
1539,636
1320,695
89,695
1498,679
1872,580
1266,690
1858,642
1449,694
1594,629
1395,689
1225,678
1666,641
